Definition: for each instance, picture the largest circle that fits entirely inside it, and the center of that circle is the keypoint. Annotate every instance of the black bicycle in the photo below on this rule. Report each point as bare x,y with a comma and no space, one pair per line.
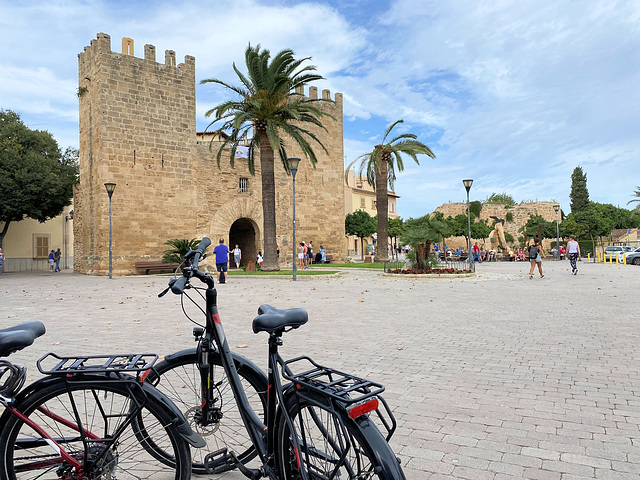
320,423
90,417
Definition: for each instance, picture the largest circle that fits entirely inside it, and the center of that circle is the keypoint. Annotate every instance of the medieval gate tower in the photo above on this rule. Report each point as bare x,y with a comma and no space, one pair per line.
138,130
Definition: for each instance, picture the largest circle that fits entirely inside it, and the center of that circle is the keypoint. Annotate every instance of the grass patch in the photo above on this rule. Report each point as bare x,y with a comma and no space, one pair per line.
285,273
373,266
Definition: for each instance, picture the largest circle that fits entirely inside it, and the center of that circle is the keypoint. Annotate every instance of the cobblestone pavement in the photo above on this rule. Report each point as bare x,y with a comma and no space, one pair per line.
491,378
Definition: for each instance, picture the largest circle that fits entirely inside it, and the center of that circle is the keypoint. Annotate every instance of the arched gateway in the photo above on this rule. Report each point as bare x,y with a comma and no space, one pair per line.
243,233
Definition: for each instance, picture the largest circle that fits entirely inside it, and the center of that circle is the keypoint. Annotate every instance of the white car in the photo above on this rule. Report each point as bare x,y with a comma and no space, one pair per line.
628,255
618,250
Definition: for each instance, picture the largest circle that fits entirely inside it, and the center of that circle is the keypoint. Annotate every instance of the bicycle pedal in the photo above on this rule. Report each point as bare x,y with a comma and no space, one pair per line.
217,462
252,473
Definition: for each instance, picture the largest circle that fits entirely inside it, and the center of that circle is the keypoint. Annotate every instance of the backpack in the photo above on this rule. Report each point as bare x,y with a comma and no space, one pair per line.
533,252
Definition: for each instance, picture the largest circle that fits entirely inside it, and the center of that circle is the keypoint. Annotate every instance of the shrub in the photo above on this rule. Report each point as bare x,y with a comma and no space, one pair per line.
181,246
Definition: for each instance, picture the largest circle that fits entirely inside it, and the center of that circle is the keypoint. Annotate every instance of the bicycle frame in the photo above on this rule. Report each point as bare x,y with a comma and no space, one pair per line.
262,436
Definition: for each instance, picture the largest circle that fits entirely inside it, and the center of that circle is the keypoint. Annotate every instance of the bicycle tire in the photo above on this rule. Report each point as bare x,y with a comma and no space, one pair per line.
180,381
26,455
328,434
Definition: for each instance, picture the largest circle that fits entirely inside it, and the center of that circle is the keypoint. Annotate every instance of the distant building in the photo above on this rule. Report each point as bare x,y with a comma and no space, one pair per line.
360,195
27,243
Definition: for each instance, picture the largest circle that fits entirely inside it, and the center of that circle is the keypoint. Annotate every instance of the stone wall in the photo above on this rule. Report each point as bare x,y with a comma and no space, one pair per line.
492,212
138,129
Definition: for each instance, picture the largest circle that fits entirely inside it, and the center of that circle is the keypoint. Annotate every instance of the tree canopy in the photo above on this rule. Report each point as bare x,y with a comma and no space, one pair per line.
579,194
420,234
360,224
36,179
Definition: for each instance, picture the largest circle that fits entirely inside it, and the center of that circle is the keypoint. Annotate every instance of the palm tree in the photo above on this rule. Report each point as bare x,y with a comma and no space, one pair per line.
637,199
269,106
381,165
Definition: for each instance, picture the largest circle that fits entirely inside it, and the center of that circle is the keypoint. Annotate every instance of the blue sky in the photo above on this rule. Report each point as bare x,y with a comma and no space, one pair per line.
514,94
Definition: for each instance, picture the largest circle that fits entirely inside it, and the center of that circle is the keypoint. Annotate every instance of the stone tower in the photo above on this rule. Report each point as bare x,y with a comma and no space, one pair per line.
138,130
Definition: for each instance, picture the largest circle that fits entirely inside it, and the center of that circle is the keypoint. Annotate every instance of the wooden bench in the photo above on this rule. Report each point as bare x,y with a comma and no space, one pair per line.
156,267
328,258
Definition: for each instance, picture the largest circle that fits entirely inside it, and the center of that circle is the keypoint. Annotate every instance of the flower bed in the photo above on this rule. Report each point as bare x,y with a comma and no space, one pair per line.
438,271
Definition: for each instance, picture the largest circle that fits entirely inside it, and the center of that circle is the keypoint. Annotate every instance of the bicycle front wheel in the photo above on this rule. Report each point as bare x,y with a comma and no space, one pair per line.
179,379
93,421
333,446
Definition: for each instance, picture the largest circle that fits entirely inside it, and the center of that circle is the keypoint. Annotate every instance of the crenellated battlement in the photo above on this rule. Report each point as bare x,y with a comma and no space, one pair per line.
101,46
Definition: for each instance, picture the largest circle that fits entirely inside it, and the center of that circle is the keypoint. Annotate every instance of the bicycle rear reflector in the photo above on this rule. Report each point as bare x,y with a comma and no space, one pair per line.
361,408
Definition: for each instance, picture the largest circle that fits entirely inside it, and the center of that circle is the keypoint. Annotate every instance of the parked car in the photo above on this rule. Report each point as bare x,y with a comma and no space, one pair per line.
625,249
633,258
609,252
618,250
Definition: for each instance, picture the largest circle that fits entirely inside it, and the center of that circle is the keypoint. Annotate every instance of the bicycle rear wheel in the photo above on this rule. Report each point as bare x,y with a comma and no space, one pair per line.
179,379
111,447
333,446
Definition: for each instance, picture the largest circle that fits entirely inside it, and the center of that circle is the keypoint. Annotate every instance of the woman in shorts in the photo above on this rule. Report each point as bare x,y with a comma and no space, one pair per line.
536,254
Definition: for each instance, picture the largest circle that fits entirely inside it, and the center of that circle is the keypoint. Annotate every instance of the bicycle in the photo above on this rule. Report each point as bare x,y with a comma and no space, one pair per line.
320,423
90,417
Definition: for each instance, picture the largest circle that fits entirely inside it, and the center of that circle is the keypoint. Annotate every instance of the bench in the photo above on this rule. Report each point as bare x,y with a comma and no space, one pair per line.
328,258
156,267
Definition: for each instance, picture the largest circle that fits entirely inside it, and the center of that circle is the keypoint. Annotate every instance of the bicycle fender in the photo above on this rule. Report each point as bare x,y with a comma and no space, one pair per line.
384,456
185,430
240,361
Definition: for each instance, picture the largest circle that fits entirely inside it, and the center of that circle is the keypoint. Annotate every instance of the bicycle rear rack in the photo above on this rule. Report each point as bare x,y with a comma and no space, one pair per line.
344,387
340,386
125,363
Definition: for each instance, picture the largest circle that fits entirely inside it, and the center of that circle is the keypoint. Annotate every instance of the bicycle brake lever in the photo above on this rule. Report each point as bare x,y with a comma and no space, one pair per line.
164,292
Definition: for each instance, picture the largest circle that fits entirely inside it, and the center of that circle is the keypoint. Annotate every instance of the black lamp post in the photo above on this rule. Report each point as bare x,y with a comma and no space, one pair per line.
293,167
467,185
557,209
110,188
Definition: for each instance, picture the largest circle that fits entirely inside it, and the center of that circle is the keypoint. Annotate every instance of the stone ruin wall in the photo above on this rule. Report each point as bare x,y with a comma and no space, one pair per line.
138,129
520,212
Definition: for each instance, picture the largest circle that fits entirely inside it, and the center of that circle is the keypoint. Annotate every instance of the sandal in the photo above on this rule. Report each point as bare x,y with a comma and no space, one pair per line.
541,276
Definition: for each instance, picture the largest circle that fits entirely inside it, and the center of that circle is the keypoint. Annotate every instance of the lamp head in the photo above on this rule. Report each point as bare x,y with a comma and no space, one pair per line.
293,165
110,188
467,184
556,208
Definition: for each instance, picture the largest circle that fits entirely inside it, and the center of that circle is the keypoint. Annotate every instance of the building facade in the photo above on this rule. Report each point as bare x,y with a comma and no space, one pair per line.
138,130
360,195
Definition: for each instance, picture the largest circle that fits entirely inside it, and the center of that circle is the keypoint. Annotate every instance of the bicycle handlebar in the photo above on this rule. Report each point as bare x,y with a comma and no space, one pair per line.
178,285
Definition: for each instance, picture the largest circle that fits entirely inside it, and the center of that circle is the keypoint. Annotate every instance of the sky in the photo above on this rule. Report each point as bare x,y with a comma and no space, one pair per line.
513,94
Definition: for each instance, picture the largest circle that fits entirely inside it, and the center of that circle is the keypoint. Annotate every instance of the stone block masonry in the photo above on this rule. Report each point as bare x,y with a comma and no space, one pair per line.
138,129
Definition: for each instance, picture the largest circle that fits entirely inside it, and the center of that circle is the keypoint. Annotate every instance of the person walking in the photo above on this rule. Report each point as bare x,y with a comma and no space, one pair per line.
573,252
237,256
536,254
52,262
56,258
1,261
222,259
476,253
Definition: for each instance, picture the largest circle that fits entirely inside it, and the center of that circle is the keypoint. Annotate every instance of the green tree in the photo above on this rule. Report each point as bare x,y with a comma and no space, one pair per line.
501,199
380,165
269,107
480,229
36,180
579,194
637,199
475,207
534,225
421,233
360,224
396,229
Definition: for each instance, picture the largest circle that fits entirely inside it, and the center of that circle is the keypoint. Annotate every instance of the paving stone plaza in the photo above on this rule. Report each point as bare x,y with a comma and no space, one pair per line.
494,377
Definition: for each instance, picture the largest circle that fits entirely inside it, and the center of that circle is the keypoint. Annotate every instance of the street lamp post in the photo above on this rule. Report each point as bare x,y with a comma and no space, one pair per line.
110,188
557,209
467,185
293,168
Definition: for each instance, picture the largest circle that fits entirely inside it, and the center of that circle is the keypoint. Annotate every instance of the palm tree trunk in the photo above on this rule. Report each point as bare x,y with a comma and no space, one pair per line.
270,263
382,207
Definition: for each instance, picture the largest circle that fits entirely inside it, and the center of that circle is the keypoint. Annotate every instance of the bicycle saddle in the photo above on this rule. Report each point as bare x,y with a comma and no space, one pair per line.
272,319
19,336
